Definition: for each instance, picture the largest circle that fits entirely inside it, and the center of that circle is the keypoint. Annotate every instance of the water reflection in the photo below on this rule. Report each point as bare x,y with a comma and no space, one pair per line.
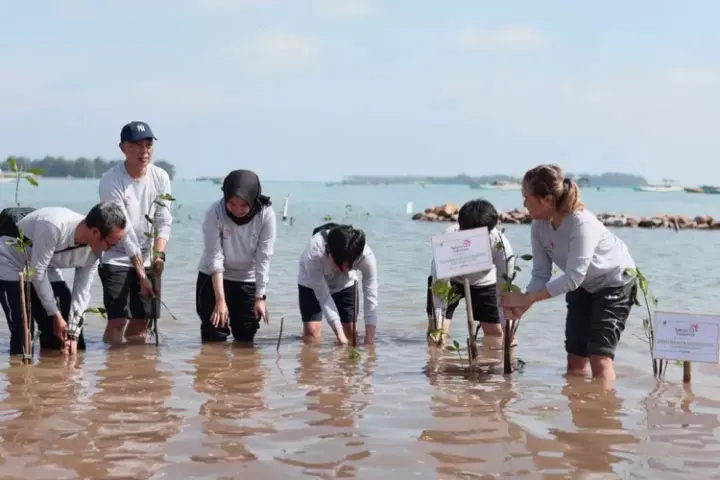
128,419
338,391
40,420
234,380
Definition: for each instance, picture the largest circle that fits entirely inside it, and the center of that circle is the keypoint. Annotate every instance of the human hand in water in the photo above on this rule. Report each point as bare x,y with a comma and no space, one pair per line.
220,314
261,310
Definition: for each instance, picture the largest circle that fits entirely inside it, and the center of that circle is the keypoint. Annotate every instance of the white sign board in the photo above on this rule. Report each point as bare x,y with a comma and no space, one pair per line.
687,337
462,252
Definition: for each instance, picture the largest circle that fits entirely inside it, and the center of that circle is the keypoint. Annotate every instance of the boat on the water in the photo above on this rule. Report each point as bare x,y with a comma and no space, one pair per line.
710,189
497,185
667,186
658,188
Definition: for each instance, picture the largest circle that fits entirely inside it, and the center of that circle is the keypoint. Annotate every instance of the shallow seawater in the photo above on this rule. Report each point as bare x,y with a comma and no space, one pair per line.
186,410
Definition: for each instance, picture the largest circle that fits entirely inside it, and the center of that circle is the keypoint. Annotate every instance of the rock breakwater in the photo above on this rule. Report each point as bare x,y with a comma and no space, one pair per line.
448,212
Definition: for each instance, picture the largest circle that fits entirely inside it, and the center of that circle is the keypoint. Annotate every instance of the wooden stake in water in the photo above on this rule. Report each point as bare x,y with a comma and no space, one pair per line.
27,341
157,302
355,316
472,351
687,372
508,334
282,320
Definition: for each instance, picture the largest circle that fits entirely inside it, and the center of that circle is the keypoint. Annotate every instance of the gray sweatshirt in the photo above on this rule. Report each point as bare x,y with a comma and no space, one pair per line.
317,272
136,196
494,276
589,255
241,253
52,229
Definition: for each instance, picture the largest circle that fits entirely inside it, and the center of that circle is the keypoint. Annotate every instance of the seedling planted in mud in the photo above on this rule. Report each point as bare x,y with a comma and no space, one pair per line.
455,347
643,287
508,285
159,203
448,296
21,172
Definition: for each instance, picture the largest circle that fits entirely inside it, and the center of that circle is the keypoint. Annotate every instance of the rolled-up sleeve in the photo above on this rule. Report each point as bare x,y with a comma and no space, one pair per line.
110,191
46,238
368,268
264,252
80,299
163,215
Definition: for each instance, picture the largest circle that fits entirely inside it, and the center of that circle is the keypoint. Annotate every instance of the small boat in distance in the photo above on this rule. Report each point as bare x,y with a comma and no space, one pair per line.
497,185
666,186
6,177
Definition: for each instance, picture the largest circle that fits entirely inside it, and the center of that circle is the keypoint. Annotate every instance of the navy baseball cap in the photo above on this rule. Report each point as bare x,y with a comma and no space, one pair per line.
135,131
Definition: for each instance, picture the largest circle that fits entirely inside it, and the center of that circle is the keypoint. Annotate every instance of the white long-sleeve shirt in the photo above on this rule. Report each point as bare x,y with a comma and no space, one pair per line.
318,272
52,229
589,255
241,252
496,275
137,196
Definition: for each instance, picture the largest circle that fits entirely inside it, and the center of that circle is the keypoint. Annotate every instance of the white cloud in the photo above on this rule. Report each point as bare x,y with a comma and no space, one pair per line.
279,51
343,8
502,38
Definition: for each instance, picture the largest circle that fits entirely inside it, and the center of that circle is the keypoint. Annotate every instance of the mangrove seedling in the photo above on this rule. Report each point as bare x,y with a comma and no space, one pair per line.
159,203
448,295
455,347
508,285
643,287
20,172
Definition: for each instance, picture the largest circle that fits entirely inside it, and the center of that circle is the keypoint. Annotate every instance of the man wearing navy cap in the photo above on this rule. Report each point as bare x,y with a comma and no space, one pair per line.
135,185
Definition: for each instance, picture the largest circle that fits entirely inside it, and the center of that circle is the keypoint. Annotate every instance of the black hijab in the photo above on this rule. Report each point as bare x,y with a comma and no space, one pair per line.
246,185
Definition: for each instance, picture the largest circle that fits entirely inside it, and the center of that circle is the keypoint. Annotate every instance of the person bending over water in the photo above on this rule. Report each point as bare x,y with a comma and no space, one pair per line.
484,286
239,234
598,292
326,282
61,238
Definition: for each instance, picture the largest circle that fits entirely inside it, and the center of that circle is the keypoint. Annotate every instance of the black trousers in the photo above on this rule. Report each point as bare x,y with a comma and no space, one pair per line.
10,301
240,300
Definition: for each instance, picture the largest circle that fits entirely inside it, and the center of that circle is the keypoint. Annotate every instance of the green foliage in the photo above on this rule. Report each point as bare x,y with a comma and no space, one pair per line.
643,288
99,311
509,280
327,218
445,290
455,347
20,171
355,354
159,201
58,167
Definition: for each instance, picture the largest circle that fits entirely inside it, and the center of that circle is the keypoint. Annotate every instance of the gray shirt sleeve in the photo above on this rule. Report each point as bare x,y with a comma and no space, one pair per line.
163,215
80,301
264,252
44,244
368,268
542,263
213,256
316,277
584,239
110,192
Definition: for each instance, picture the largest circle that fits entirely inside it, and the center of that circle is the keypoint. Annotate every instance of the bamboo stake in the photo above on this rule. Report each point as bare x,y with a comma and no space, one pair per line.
472,345
355,316
282,320
27,352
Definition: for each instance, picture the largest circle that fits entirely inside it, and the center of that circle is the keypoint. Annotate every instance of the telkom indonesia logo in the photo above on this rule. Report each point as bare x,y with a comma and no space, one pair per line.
694,327
467,243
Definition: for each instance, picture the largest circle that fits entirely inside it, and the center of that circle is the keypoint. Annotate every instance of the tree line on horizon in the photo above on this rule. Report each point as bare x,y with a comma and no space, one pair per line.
59,167
608,179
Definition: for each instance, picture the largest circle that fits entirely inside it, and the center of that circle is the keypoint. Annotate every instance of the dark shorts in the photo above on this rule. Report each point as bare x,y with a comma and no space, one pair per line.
10,301
595,321
121,292
482,298
240,300
310,309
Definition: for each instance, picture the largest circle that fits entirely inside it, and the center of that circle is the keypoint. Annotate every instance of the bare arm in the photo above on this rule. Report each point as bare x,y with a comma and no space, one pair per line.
80,299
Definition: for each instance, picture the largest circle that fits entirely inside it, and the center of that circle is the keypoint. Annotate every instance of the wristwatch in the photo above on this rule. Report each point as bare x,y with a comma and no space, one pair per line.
264,297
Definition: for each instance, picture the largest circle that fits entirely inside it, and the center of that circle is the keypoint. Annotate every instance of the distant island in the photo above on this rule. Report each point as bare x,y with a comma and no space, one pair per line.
59,167
610,179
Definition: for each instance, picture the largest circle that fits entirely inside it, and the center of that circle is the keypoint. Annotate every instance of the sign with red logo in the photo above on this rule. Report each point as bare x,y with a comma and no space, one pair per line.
687,337
462,252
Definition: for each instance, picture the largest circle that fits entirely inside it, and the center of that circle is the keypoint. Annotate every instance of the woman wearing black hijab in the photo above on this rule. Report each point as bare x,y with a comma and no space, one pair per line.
239,233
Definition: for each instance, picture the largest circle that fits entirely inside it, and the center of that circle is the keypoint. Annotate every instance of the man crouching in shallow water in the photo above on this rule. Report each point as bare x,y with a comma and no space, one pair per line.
326,282
61,238
484,286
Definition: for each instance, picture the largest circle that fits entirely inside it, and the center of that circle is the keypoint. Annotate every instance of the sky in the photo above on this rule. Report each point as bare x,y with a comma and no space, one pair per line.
320,89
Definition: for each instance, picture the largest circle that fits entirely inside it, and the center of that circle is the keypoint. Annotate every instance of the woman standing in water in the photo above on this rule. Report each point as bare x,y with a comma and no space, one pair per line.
598,292
239,236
